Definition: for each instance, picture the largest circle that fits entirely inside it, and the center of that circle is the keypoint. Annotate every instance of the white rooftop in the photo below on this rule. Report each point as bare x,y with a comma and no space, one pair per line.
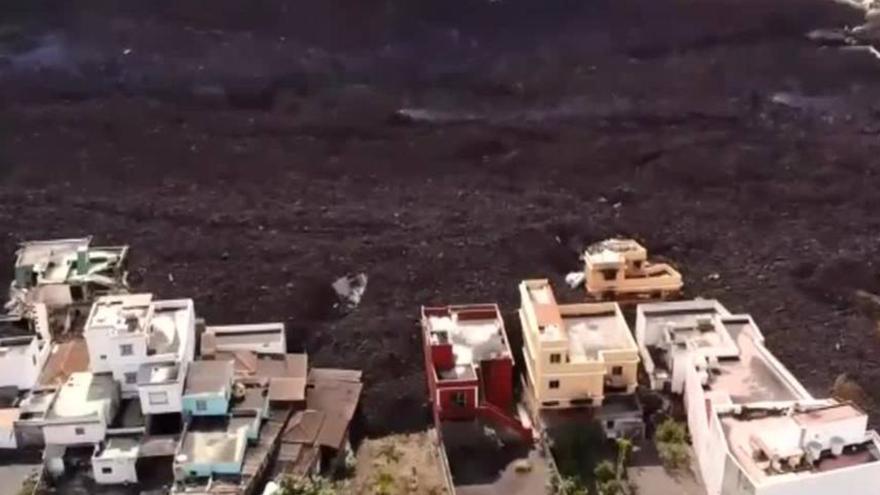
475,332
164,323
84,395
791,439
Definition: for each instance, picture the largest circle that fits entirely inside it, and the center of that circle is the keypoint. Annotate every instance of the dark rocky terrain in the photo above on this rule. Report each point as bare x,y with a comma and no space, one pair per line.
252,152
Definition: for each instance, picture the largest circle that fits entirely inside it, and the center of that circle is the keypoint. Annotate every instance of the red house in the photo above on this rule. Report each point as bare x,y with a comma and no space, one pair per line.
469,365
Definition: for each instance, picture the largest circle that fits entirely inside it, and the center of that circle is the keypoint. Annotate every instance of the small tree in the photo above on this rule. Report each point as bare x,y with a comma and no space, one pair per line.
569,485
674,456
671,431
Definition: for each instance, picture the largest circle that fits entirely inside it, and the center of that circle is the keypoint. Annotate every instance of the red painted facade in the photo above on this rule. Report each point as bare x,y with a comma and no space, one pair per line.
455,398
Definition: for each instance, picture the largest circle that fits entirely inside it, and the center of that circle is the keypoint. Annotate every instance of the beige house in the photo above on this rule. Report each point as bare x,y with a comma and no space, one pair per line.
575,354
619,269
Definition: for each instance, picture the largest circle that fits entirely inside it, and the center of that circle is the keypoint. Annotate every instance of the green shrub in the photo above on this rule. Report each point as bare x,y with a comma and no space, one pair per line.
671,431
308,486
675,456
605,471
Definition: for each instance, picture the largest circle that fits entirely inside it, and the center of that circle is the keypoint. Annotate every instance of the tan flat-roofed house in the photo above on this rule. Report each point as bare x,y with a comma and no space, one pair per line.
620,269
575,354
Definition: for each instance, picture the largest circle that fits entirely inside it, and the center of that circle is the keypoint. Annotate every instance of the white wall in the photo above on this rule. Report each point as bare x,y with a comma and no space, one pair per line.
20,366
858,480
115,471
7,437
173,391
65,434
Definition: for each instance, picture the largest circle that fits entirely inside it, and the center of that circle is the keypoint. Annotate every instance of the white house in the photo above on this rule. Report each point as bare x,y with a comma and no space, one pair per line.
115,461
260,338
23,351
81,410
160,387
126,332
755,429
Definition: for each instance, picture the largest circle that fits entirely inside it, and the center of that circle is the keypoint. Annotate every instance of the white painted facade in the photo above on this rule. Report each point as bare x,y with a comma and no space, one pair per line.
260,338
126,332
21,361
116,462
75,432
755,429
160,387
23,349
81,410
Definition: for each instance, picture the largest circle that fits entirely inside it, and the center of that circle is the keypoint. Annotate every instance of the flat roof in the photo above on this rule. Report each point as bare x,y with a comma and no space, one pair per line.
158,373
210,441
164,322
65,359
259,334
208,377
84,395
653,319
119,448
476,332
775,440
751,377
593,328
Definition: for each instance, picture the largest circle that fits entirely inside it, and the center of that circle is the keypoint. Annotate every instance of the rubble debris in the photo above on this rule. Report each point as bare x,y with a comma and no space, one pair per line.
434,117
349,291
575,279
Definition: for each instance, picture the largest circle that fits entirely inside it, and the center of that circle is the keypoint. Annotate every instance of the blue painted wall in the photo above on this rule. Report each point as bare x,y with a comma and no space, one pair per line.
215,405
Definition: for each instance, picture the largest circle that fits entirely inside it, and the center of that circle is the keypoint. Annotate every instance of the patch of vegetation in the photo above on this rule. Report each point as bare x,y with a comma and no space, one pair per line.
308,486
29,485
672,445
611,477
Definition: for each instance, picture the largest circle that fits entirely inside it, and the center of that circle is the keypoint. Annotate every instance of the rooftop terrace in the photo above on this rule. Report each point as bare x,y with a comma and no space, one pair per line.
798,440
476,332
85,395
164,323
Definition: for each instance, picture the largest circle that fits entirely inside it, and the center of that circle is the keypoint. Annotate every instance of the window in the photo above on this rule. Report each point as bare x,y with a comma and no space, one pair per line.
617,370
158,398
103,357
79,430
459,399
34,359
554,384
609,424
106,470
131,378
610,274
201,405
555,358
126,350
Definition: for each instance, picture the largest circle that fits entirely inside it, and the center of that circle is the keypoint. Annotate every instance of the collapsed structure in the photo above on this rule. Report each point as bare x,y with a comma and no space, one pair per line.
66,274
619,269
755,429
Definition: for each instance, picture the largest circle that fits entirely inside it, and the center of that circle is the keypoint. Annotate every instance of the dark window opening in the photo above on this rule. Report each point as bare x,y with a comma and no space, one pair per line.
610,274
106,470
459,399
555,359
554,383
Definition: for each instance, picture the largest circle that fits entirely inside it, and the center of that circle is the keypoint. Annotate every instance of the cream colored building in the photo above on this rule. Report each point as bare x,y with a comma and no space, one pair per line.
575,354
619,268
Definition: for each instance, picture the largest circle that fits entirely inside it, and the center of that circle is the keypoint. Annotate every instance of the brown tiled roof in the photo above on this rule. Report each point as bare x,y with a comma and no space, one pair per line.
304,427
287,389
66,358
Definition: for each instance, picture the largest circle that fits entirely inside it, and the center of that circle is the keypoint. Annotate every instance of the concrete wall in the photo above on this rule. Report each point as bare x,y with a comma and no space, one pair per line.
857,480
20,366
115,471
214,405
497,375
173,393
7,437
74,433
448,409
